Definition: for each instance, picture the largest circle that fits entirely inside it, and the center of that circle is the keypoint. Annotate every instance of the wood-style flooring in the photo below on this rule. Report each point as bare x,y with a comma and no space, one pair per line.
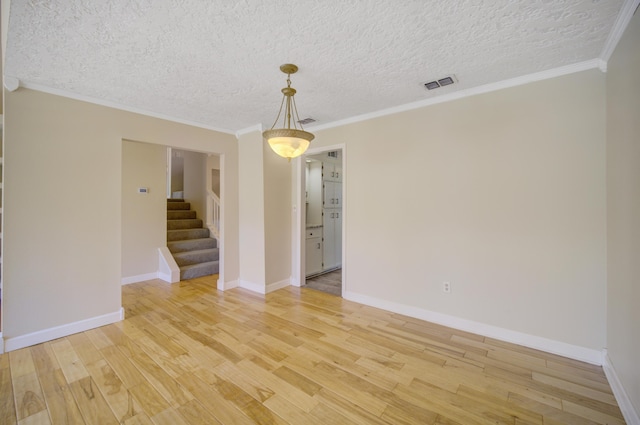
189,354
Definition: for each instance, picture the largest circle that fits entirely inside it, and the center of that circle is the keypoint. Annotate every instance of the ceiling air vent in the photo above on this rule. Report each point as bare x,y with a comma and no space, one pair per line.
306,121
440,83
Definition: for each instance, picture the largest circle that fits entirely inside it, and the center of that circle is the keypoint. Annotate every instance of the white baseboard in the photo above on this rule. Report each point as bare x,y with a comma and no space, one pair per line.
162,276
631,416
278,285
223,286
548,345
262,289
45,335
139,278
168,269
1,344
252,286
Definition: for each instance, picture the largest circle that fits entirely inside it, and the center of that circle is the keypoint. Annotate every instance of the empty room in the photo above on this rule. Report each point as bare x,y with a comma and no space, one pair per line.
345,212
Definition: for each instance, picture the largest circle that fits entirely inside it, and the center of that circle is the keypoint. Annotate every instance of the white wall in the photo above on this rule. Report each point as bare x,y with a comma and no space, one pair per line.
144,222
623,210
63,205
502,194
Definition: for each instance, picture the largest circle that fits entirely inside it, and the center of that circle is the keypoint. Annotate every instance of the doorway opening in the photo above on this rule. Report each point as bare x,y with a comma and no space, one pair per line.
194,213
323,221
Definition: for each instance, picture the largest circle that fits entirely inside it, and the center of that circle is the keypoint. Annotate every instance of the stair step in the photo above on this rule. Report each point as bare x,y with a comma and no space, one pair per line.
191,223
195,252
194,257
178,205
191,245
182,234
197,270
180,214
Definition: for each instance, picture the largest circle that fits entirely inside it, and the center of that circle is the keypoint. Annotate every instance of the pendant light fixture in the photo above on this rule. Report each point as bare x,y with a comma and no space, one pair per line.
288,142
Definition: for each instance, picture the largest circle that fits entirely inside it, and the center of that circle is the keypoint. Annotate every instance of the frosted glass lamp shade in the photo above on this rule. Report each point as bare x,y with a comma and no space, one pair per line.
288,143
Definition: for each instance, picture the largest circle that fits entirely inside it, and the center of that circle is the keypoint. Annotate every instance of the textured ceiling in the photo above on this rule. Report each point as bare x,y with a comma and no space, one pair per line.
216,62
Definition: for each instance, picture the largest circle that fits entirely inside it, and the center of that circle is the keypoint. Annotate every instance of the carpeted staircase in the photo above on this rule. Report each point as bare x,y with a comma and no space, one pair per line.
195,252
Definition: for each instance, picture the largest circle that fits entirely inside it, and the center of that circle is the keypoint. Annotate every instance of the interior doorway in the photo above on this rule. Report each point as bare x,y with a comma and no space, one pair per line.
323,221
195,222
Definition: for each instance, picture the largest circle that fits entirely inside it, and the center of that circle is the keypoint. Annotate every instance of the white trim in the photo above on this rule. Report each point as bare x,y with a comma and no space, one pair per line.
295,282
619,26
548,345
1,344
45,335
261,288
223,286
168,269
162,276
631,416
278,285
243,131
513,82
251,286
221,242
602,65
298,234
139,278
115,105
298,214
525,79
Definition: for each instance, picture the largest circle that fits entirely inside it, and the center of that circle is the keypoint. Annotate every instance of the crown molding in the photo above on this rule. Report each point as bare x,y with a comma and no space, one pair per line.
512,82
619,26
115,105
247,130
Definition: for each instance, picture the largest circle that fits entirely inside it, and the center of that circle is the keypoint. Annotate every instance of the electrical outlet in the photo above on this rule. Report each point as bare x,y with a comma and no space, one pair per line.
446,287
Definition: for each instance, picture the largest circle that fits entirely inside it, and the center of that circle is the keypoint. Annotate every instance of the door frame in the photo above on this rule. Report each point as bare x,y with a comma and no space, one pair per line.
298,219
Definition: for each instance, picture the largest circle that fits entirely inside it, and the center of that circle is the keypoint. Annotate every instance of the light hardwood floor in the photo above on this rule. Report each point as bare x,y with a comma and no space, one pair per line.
188,354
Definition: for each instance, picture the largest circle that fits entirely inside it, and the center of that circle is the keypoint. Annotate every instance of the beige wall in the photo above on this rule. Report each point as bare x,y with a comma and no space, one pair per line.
252,233
63,204
195,181
177,171
277,216
501,194
265,214
623,210
144,216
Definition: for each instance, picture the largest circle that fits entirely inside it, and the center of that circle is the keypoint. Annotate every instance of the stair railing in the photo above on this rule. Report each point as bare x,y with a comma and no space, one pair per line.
213,214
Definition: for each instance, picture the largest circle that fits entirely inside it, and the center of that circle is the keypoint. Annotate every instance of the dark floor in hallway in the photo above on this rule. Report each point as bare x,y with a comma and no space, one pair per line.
329,282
